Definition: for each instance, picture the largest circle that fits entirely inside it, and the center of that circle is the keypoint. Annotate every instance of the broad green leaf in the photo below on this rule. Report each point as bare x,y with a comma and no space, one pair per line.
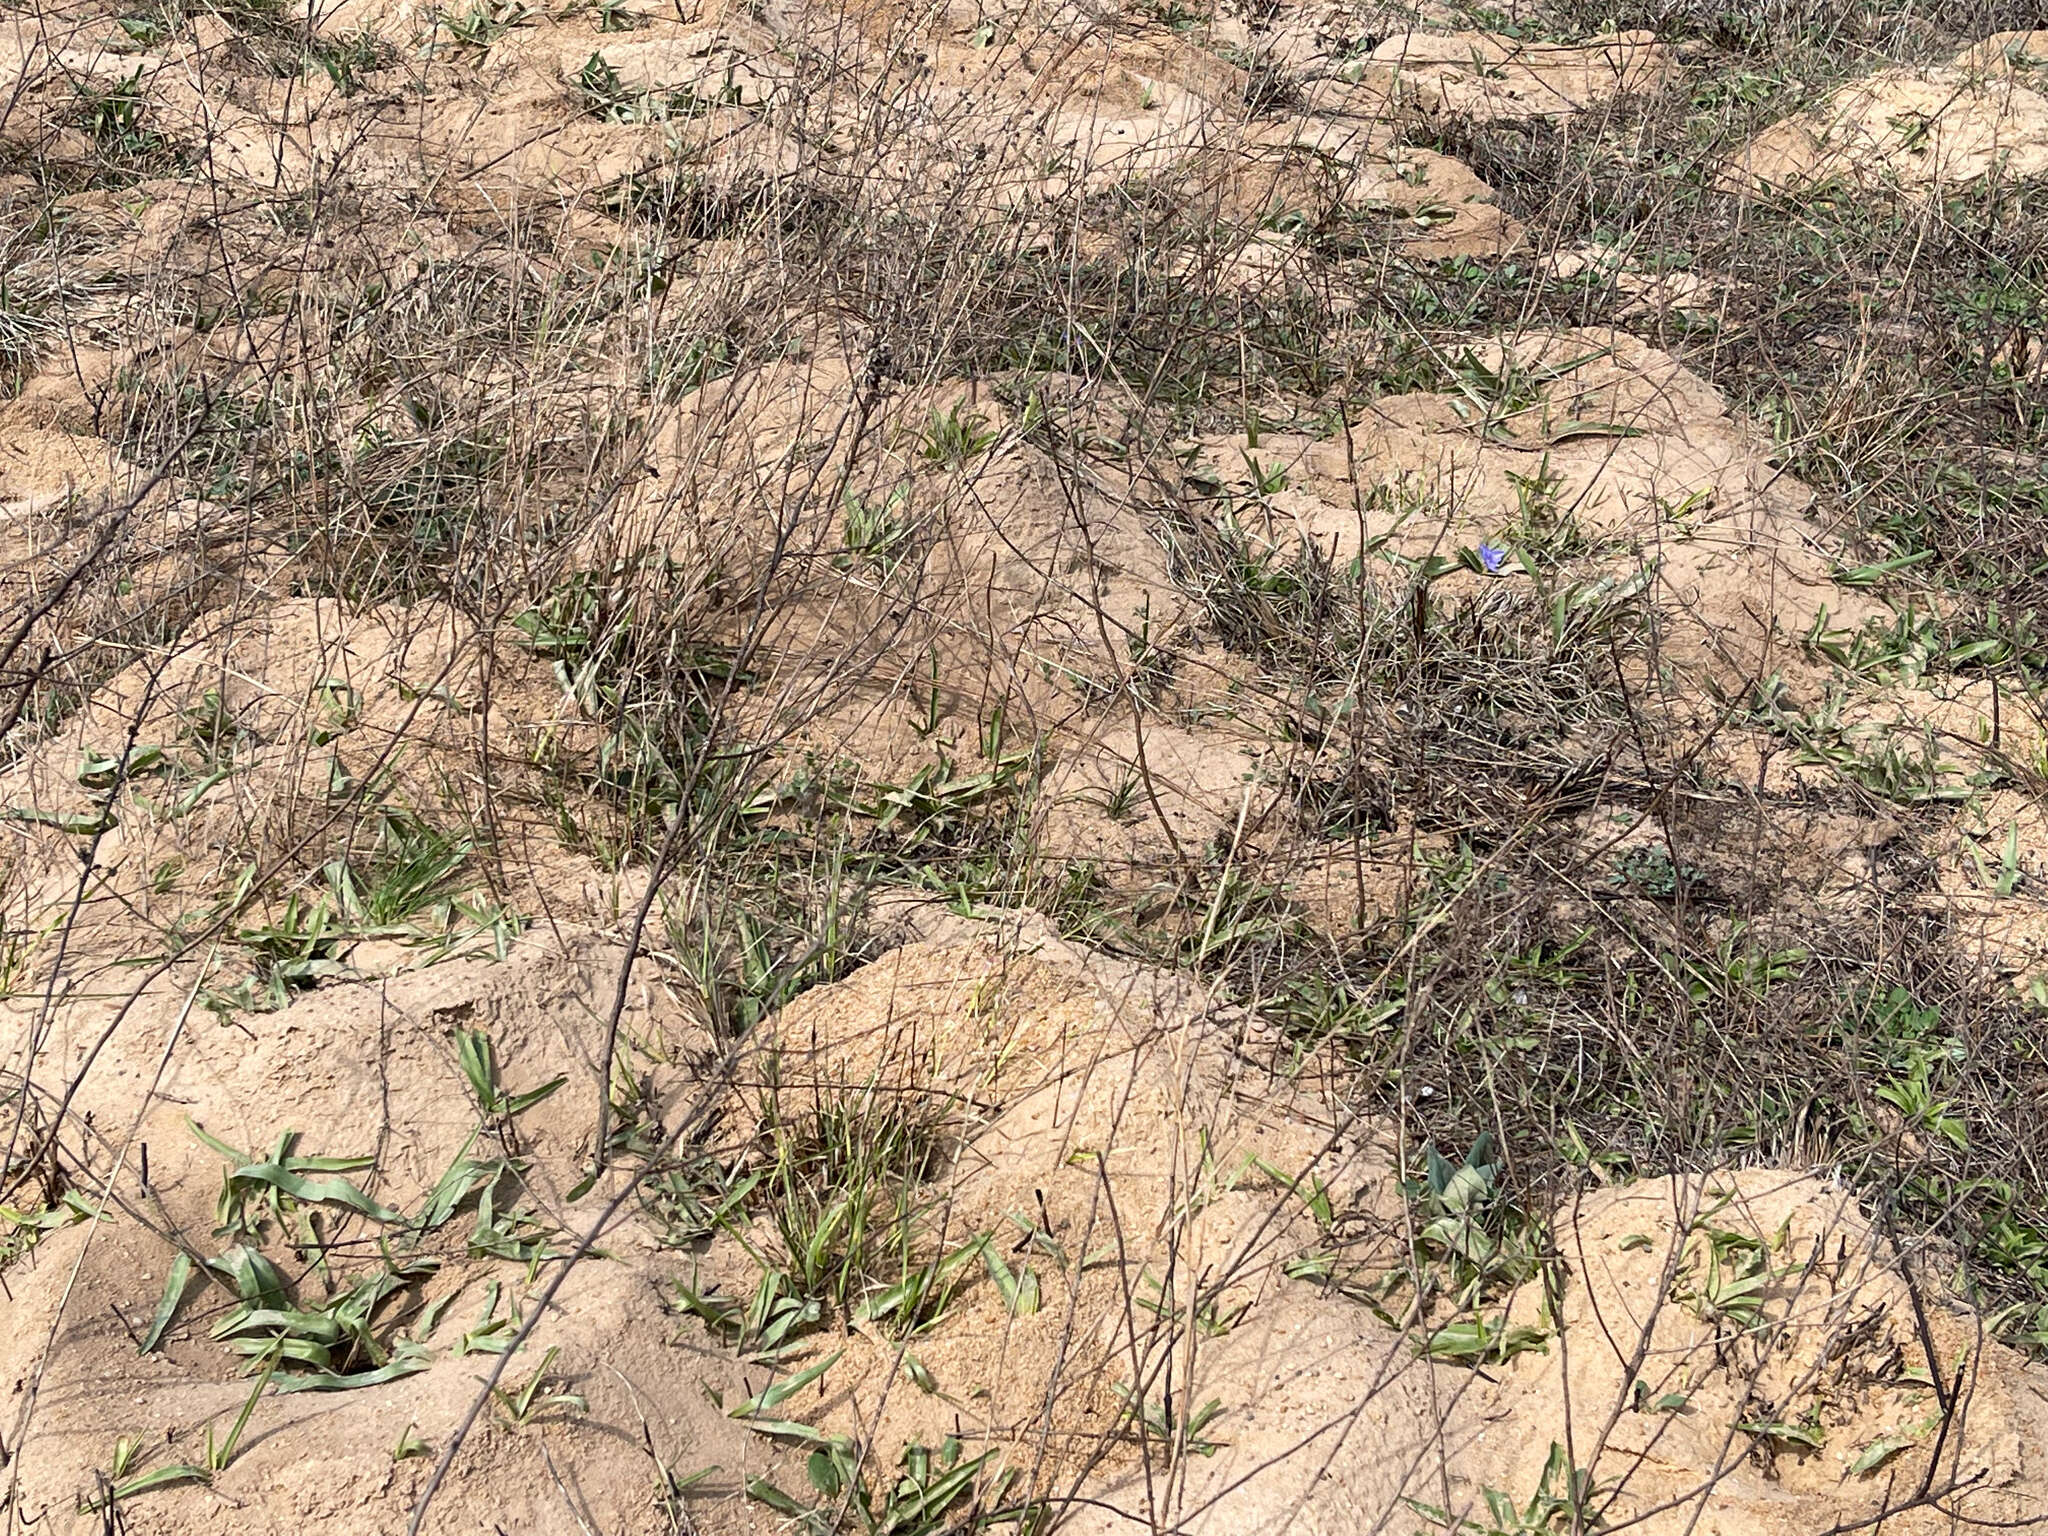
409,1360
317,1327
323,1191
824,1474
1878,1452
254,1278
167,1308
97,772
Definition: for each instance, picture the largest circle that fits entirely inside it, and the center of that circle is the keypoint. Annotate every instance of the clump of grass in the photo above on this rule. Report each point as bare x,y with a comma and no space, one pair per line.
113,117
635,664
483,23
843,1183
880,532
957,436
916,1503
27,326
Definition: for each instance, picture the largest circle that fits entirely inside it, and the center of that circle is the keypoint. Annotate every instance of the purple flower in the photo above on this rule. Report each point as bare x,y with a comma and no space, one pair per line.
1492,558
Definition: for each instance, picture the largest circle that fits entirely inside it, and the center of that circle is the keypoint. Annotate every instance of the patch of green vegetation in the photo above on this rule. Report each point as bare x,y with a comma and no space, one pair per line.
1473,1250
115,118
410,883
957,436
915,1503
606,96
371,1324
880,533
1565,1500
483,23
846,1226
346,61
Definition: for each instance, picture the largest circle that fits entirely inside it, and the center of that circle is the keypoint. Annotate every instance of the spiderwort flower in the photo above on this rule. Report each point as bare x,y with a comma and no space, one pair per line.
1493,558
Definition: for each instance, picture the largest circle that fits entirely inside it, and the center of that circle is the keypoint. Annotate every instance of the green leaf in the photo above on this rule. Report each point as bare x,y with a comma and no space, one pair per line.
254,1278
410,1359
185,802
1878,1452
1871,575
313,1327
208,1139
1467,1187
149,1482
777,1393
824,1474
220,1456
909,1514
69,1210
465,1177
310,1353
789,1429
97,772
1574,427
167,1307
765,1492
479,1062
78,823
1473,1341
1019,1288
1436,1514
1793,1434
1307,1187
322,1191
430,1316
519,1102
1466,1340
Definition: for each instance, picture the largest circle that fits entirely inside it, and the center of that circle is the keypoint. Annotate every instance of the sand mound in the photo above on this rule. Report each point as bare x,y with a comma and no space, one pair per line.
1485,77
1739,1347
1984,115
250,738
1179,1221
309,959
951,504
1750,1331
43,470
364,1070
1577,445
991,579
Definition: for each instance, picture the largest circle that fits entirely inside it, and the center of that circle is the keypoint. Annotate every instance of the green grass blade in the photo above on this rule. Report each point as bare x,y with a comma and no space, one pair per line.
777,1393
322,1191
167,1308
148,1482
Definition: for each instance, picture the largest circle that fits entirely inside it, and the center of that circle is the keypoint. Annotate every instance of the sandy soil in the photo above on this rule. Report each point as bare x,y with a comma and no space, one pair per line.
886,558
